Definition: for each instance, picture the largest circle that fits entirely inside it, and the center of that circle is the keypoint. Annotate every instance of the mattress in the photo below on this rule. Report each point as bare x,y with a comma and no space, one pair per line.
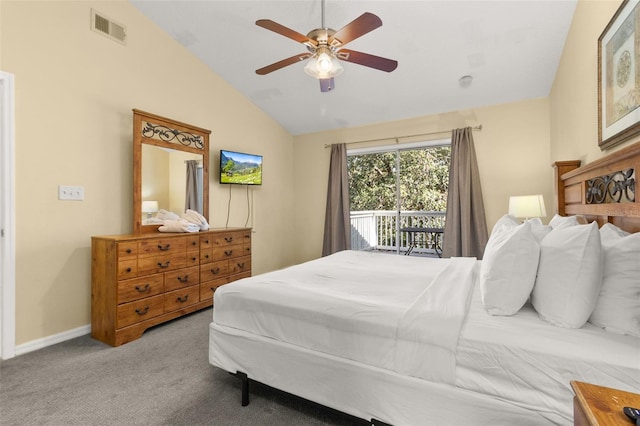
349,306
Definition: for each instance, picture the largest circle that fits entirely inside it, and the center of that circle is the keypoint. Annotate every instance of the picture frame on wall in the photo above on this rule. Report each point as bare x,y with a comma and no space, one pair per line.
619,76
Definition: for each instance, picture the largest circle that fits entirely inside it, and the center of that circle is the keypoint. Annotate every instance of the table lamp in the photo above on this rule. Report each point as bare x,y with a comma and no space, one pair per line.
527,206
149,207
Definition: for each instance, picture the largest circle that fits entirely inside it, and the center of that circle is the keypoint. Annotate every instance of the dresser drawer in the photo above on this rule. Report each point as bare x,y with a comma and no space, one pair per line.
127,269
193,243
183,278
240,264
140,310
162,246
228,238
206,255
228,252
213,271
139,288
177,299
206,242
193,258
127,250
156,264
207,289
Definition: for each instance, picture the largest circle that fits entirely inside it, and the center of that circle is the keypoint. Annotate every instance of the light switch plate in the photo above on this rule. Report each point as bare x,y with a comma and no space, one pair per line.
66,192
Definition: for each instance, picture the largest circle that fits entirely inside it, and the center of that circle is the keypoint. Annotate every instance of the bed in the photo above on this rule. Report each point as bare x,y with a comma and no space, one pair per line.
419,341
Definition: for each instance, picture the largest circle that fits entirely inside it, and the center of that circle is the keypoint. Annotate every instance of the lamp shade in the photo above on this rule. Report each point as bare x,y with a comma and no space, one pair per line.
149,206
323,64
526,206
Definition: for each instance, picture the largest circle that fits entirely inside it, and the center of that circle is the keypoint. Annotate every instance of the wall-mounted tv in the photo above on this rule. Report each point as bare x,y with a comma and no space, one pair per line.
240,168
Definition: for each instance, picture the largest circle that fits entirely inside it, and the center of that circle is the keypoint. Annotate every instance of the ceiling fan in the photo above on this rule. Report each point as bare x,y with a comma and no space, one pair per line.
325,46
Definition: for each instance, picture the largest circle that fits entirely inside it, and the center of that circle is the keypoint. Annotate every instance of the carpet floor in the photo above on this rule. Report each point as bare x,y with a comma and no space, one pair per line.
163,378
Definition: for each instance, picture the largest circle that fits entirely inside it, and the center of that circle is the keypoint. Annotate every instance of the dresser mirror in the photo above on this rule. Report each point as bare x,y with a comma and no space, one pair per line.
166,154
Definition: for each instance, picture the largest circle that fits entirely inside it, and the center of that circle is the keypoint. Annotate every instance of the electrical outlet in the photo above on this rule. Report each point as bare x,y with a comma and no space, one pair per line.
66,192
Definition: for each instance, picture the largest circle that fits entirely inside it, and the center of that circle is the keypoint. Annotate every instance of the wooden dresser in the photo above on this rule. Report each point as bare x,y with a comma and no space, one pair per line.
138,281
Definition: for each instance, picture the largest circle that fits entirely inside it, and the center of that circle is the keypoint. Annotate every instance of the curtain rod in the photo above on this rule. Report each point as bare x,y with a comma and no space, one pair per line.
479,127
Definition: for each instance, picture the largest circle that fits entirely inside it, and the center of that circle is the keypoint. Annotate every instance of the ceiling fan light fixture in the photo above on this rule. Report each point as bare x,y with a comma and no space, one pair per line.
323,65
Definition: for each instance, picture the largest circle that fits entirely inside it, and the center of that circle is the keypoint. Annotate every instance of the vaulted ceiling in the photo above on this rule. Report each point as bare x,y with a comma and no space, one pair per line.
511,48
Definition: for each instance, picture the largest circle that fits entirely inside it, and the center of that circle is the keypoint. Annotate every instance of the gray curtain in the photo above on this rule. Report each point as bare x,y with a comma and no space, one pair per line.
337,224
465,229
192,199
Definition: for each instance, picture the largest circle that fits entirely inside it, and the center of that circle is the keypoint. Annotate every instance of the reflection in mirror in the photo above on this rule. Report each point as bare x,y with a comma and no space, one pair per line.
165,175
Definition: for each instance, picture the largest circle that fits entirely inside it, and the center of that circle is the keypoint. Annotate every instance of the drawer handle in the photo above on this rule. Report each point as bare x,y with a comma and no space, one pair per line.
128,251
164,248
142,311
128,270
240,265
182,299
164,265
215,271
228,252
228,239
206,241
144,289
193,259
183,280
194,243
206,256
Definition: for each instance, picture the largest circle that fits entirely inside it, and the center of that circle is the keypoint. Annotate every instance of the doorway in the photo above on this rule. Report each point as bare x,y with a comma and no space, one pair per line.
7,216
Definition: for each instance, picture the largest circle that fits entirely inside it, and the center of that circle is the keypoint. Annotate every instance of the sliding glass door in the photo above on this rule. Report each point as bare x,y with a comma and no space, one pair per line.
390,189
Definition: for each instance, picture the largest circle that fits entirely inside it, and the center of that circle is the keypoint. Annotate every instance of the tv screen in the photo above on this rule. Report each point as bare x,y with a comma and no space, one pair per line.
240,168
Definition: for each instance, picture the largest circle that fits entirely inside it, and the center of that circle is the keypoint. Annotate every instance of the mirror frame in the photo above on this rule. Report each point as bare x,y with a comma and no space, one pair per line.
164,132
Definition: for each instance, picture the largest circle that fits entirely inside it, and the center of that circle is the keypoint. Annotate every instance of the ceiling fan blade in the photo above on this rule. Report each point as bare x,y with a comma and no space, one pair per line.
358,27
371,61
283,63
287,32
327,84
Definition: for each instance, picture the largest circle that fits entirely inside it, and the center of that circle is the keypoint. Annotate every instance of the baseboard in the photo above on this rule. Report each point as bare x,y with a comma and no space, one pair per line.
34,345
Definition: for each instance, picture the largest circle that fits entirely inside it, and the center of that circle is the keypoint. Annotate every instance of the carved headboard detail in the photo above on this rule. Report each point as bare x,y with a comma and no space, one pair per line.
604,190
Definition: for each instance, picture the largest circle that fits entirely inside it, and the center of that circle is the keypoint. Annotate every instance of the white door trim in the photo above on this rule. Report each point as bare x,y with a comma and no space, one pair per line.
7,217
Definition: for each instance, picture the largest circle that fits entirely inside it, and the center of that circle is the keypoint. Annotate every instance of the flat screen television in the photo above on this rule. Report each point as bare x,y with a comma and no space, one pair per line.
240,168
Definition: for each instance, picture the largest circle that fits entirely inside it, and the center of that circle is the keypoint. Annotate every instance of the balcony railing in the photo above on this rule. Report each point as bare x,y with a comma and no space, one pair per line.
380,230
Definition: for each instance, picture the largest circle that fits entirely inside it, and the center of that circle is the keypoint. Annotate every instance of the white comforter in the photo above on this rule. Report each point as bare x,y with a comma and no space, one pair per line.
341,305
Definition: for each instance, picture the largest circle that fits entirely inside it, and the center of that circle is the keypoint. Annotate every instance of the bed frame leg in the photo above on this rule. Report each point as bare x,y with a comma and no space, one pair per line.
244,380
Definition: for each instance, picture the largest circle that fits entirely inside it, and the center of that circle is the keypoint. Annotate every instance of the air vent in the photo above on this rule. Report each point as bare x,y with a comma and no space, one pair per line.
107,27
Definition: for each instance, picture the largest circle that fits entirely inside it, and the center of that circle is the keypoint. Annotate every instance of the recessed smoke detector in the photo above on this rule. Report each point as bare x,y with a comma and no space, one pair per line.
465,81
108,27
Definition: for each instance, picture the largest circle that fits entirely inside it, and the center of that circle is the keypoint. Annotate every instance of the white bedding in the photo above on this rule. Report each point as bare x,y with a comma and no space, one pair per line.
342,305
519,359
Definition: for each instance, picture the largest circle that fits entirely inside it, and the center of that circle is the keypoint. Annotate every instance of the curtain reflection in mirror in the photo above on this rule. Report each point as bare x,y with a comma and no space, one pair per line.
193,195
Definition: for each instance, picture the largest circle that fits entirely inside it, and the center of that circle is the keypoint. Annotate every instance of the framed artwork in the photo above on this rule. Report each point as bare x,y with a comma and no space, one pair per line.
619,76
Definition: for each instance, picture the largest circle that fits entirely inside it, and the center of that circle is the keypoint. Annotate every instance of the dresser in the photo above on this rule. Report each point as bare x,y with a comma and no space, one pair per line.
139,281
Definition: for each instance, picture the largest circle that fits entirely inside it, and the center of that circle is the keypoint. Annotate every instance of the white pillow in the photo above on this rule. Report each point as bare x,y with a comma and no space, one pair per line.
539,230
618,307
569,275
505,222
558,221
508,268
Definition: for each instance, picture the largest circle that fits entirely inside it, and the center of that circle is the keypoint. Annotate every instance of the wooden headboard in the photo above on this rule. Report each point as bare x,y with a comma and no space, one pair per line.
604,190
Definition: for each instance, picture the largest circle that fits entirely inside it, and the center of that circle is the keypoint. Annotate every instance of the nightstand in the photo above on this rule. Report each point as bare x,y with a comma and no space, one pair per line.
597,405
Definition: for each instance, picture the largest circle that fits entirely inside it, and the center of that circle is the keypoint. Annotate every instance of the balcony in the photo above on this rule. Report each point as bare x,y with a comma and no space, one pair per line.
380,230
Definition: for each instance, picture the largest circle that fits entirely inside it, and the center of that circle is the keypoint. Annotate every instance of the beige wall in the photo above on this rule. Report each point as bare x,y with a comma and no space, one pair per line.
574,98
74,93
512,150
